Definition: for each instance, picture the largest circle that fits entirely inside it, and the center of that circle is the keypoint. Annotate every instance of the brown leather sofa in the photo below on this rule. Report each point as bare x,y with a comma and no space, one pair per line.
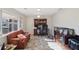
21,42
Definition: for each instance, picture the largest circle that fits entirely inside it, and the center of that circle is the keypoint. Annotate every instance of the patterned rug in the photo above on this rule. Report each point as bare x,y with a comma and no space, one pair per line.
55,46
37,43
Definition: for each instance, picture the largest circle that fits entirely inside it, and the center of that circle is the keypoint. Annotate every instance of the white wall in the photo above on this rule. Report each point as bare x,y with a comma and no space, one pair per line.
67,18
30,22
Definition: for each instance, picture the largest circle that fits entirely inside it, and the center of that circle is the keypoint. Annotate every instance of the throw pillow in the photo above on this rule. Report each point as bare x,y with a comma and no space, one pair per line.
21,36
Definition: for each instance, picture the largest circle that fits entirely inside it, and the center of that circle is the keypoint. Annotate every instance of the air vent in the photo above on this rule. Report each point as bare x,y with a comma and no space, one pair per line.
25,8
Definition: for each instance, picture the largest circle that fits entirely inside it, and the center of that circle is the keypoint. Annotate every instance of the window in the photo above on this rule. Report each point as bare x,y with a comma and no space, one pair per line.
5,27
0,27
9,23
15,25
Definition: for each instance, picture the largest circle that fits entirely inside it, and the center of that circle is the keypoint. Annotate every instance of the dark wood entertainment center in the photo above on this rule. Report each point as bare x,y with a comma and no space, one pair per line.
40,27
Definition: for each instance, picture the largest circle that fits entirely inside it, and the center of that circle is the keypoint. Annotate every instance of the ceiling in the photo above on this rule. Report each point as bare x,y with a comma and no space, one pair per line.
35,11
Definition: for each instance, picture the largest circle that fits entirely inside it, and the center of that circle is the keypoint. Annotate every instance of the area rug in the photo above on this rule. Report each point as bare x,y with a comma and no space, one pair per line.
54,45
37,43
49,40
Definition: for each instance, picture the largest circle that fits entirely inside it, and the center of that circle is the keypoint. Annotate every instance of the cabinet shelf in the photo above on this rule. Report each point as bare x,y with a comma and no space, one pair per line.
41,27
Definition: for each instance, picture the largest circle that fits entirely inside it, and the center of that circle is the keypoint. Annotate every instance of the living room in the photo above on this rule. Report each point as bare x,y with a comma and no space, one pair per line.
21,21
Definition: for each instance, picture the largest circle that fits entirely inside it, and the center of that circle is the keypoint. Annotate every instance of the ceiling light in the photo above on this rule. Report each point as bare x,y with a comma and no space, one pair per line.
38,16
38,9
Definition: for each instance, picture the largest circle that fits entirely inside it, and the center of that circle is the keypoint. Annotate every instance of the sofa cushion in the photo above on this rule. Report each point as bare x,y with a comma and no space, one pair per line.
21,36
14,41
12,35
21,32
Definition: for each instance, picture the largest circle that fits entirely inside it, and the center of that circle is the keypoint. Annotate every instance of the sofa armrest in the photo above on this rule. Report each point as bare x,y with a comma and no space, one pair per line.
14,41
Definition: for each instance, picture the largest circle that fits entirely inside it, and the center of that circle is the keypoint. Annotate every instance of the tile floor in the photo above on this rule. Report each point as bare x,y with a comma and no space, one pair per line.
44,43
37,43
